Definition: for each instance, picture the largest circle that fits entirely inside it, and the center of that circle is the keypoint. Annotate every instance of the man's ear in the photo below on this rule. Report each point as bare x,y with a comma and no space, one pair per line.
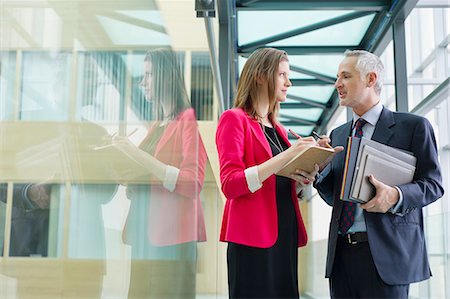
372,79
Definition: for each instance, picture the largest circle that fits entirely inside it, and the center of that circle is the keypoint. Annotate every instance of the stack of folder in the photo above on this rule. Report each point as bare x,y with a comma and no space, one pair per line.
364,157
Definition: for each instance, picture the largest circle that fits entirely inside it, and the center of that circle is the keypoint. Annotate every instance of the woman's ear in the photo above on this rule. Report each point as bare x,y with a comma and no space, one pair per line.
261,80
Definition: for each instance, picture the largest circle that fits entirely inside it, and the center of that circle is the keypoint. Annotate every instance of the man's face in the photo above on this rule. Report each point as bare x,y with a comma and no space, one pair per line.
351,88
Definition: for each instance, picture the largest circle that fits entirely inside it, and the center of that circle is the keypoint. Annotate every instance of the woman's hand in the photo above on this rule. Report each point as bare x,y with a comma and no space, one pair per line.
304,178
300,145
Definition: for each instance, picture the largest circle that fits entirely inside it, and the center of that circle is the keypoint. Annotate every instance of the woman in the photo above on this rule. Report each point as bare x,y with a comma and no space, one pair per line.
262,222
166,218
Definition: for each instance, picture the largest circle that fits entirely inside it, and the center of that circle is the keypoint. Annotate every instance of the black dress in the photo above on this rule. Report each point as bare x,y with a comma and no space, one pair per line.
268,272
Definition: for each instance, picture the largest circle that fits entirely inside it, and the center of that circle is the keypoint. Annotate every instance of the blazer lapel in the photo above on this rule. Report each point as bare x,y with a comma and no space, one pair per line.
283,135
259,135
383,131
167,134
341,138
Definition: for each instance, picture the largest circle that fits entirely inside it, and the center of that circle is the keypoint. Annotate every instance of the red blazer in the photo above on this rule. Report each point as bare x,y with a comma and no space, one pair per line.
249,218
177,217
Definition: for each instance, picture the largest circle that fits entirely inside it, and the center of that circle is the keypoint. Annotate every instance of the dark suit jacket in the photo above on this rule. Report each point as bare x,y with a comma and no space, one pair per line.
29,225
397,242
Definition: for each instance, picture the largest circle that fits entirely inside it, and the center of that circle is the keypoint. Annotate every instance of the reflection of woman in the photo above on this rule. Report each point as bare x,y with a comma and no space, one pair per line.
262,222
166,218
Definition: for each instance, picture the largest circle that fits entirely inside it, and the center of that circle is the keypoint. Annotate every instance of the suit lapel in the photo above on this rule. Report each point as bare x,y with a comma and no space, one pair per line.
383,131
340,137
170,131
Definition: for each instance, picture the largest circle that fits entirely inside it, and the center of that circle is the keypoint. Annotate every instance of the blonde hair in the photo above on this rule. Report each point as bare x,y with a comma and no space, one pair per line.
263,65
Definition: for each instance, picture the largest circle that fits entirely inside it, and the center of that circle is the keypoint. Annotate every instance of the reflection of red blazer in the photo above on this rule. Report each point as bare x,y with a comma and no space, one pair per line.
177,217
249,218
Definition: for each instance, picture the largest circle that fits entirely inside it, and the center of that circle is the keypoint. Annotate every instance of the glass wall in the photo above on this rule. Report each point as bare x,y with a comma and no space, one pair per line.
106,188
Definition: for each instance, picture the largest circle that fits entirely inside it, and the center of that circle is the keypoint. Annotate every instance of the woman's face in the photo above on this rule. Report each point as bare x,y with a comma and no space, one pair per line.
282,81
146,82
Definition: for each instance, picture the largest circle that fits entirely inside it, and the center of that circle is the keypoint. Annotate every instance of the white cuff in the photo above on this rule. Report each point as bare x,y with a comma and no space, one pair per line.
251,174
171,177
395,209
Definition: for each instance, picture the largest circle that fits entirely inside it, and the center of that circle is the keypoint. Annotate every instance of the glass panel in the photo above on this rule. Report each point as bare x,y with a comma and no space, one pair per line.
100,86
248,21
36,220
202,86
319,94
292,74
311,114
45,97
118,31
116,220
300,130
3,192
322,64
7,86
339,34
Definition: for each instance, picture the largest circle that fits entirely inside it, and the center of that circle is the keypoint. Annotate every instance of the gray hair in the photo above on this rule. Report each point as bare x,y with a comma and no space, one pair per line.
367,63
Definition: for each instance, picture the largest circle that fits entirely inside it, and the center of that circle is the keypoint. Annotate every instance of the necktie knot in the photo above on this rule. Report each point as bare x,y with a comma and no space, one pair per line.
358,127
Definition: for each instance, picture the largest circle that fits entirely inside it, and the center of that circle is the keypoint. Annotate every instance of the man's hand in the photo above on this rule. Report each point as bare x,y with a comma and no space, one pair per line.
385,197
39,195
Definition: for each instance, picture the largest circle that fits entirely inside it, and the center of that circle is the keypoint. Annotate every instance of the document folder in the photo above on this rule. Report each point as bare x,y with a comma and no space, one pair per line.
306,160
389,165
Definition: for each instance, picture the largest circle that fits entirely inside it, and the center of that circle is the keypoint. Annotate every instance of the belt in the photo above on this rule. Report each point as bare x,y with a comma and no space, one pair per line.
354,238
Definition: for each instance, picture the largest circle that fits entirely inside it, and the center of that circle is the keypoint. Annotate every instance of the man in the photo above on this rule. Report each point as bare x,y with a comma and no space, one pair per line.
380,249
29,221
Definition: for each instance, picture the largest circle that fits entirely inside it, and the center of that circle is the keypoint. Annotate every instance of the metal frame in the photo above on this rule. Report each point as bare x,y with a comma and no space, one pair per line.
388,15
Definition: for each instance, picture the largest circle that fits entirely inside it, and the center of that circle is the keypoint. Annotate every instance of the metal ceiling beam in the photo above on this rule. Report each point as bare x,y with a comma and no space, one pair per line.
382,37
307,101
308,82
365,5
246,2
291,123
438,95
302,30
296,120
297,106
306,50
322,77
227,50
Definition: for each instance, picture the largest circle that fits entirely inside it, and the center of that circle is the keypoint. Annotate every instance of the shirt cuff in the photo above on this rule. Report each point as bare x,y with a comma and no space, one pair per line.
26,202
251,174
398,205
171,177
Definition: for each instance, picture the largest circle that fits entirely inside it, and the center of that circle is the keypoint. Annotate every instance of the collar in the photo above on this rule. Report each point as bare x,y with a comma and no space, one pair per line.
372,116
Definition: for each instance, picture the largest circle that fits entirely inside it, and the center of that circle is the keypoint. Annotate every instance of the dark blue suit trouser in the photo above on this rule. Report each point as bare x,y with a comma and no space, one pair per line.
354,275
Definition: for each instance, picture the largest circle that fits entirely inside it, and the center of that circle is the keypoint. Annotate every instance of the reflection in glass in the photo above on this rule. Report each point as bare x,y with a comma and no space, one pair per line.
165,219
7,76
45,98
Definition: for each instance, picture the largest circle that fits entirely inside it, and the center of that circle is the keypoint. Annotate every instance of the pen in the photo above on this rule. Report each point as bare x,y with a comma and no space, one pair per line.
314,133
132,132
295,134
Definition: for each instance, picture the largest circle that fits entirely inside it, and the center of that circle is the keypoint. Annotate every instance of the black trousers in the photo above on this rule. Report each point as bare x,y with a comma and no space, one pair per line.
354,274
